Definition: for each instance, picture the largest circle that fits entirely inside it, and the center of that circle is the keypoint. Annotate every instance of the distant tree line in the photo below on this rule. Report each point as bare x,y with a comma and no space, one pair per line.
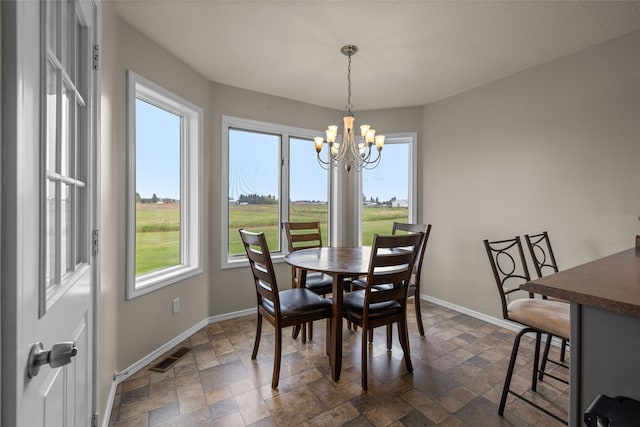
154,199
377,201
258,199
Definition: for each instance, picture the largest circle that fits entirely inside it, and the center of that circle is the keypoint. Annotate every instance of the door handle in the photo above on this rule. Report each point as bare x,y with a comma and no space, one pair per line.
59,355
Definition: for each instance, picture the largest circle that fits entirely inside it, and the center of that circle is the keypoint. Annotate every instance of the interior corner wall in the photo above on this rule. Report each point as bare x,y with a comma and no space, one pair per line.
131,330
232,289
555,148
229,290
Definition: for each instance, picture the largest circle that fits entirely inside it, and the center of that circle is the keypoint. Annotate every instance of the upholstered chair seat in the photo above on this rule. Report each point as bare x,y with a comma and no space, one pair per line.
545,315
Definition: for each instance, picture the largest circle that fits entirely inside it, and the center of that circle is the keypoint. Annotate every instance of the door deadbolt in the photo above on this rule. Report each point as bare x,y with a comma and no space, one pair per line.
59,355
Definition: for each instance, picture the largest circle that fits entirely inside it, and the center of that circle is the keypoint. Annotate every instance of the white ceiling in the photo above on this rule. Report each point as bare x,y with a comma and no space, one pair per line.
411,52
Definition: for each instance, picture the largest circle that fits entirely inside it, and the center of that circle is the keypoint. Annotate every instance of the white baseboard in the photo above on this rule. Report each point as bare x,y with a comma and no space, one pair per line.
119,377
512,326
464,310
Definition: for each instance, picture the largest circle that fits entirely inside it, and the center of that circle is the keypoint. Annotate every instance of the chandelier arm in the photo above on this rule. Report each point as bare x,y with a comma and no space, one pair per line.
373,163
323,164
367,154
353,148
343,152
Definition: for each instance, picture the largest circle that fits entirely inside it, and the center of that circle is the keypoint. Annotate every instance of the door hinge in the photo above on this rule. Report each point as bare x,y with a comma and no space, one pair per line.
96,56
95,236
94,420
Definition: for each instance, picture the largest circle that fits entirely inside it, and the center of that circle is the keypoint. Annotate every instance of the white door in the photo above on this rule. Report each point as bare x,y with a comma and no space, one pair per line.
48,212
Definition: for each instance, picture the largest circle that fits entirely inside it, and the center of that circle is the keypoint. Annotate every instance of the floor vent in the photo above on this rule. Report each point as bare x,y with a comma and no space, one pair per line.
169,361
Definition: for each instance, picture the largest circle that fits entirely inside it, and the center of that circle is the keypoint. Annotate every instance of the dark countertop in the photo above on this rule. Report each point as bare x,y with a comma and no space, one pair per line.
611,283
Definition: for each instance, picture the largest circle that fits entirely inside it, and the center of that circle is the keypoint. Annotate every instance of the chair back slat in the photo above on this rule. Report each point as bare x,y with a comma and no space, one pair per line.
303,235
382,295
541,253
509,268
255,245
391,263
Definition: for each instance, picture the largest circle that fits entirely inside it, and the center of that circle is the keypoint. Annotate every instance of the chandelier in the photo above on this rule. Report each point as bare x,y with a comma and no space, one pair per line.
348,152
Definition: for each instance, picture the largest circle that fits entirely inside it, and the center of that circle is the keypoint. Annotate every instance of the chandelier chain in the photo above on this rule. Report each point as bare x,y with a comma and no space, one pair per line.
349,106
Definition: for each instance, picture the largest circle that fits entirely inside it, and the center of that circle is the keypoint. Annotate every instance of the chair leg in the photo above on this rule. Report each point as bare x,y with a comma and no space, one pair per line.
418,313
389,336
370,334
256,344
403,337
327,337
277,358
303,327
310,334
545,357
295,331
512,363
536,362
363,362
563,349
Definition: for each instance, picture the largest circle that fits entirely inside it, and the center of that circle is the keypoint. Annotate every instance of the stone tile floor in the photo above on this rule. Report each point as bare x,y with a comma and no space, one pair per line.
459,369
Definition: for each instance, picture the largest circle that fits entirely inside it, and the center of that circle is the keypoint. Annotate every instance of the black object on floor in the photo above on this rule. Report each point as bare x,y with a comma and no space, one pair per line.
613,412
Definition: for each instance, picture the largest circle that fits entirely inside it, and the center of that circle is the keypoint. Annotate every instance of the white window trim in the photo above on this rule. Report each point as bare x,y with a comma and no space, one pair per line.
285,132
410,138
191,186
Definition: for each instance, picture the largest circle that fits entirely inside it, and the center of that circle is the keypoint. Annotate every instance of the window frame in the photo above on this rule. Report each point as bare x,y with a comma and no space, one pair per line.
410,138
285,133
70,156
191,186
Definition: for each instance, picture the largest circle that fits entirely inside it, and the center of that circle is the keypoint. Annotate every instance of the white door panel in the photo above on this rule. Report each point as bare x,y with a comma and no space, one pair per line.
48,208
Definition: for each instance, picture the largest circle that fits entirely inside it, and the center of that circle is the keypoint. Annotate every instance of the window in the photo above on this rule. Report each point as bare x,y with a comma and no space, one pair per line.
388,190
254,187
163,187
308,186
66,121
270,176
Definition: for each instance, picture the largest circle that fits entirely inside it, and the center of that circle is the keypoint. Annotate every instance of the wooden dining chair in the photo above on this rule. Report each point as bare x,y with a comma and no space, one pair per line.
414,284
544,261
535,315
306,235
281,308
384,299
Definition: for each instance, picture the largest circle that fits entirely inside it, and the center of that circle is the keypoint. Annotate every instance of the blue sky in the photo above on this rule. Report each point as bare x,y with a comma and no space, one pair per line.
254,165
254,169
157,152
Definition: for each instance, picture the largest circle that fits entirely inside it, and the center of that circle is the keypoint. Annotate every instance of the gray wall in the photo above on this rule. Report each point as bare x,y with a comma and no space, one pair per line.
551,148
130,330
576,116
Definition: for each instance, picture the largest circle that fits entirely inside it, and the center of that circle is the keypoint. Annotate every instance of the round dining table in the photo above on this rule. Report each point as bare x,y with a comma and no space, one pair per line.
340,263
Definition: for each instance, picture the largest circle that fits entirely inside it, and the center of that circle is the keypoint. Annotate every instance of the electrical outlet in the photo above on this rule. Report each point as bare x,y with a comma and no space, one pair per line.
175,305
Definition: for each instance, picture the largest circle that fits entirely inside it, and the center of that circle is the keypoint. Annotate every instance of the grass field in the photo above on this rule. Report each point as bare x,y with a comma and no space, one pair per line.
157,236
158,228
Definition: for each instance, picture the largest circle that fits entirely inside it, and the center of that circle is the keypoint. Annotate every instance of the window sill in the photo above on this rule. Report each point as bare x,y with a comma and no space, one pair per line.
158,280
242,261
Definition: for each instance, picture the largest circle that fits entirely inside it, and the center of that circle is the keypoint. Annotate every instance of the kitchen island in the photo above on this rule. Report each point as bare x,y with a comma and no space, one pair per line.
605,327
